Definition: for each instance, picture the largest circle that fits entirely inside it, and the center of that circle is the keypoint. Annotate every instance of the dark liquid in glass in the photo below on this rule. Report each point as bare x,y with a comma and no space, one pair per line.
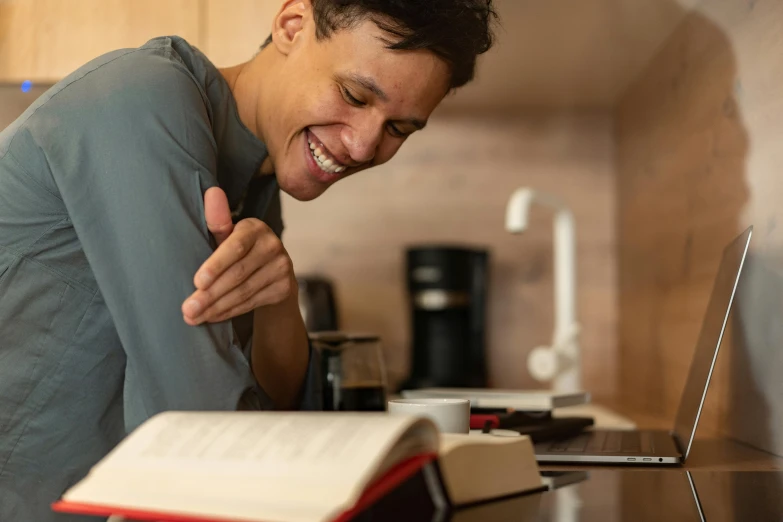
357,398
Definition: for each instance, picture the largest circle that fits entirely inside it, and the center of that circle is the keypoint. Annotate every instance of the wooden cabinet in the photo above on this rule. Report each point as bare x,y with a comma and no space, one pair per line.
43,40
235,29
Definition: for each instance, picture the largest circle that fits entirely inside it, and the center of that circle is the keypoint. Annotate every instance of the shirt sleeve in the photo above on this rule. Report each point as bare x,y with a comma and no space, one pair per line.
135,153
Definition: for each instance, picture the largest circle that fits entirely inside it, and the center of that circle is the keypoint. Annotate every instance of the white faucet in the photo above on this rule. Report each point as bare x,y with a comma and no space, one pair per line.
558,363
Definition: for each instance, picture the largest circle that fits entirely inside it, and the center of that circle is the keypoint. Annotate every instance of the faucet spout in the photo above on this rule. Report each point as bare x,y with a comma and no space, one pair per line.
562,364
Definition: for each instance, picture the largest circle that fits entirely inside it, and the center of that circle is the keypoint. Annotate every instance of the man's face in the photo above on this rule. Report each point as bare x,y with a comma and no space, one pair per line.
346,103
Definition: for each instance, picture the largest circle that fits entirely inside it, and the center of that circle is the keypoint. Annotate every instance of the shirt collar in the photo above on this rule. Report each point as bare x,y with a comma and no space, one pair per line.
240,152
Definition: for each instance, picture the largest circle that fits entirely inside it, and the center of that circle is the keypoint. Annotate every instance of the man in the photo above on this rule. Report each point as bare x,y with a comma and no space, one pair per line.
114,304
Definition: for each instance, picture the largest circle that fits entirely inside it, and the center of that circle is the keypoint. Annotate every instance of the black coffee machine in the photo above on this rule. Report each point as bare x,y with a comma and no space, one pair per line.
318,303
447,290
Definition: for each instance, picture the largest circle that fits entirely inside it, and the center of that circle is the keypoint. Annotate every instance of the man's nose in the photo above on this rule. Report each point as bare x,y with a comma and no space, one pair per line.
362,141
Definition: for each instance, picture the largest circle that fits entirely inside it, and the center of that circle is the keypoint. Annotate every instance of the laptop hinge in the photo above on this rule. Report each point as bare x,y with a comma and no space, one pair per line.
679,444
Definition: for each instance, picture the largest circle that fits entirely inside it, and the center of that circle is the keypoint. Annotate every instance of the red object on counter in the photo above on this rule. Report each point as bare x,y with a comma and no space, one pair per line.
479,421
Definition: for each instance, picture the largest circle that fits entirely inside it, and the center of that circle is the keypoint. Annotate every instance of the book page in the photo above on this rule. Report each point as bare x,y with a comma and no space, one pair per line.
451,441
251,465
262,444
244,464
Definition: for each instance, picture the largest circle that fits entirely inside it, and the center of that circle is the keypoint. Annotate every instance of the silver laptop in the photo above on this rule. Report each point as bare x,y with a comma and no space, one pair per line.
665,447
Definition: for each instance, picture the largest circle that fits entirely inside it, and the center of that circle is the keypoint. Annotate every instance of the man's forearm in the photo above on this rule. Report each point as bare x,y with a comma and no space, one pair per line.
280,350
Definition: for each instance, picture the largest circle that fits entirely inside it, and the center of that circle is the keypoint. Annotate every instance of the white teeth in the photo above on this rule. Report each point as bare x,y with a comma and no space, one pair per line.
324,163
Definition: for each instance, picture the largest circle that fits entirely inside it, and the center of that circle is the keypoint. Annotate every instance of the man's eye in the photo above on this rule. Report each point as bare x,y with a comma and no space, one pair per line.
394,131
350,98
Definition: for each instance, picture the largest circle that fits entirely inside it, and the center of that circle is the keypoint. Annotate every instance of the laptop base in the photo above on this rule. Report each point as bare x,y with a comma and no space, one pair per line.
632,447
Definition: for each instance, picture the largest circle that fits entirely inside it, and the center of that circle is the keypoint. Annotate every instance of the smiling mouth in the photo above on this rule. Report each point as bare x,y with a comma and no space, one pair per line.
323,158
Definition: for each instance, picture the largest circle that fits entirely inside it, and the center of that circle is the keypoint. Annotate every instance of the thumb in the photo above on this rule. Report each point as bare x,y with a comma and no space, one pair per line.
218,214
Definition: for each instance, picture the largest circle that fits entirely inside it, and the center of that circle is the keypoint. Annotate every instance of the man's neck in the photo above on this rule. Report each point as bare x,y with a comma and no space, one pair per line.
246,81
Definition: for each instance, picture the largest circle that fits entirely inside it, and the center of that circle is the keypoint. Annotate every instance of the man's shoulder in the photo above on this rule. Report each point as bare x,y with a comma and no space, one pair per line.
155,74
160,54
152,78
124,97
124,84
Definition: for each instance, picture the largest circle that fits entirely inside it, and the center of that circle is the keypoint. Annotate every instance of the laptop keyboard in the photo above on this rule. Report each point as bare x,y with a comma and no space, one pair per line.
605,442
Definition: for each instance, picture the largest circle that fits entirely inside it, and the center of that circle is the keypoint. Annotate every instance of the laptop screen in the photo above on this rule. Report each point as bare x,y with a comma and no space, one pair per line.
707,346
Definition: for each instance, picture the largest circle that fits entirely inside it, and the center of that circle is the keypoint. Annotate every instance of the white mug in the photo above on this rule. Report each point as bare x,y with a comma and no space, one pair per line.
449,415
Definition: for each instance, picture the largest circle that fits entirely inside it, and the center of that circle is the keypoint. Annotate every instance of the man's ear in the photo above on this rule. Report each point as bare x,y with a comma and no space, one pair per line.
289,23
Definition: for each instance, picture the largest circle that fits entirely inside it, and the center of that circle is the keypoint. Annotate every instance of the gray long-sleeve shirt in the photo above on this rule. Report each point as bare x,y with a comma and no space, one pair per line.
101,231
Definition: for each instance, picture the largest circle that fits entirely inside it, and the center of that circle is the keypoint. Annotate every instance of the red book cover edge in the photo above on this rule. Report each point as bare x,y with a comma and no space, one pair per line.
395,476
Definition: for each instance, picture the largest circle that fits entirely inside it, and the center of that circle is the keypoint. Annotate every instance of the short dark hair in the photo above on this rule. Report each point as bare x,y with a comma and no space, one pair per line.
455,30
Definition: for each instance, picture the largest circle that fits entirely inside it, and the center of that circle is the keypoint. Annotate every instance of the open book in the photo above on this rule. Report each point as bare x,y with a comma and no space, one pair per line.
292,466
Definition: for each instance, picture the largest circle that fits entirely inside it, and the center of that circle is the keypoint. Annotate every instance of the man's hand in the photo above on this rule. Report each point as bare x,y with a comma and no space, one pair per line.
250,267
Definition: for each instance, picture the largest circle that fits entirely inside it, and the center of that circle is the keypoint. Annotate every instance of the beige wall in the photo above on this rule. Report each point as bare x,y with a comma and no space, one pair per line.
699,158
451,183
45,40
